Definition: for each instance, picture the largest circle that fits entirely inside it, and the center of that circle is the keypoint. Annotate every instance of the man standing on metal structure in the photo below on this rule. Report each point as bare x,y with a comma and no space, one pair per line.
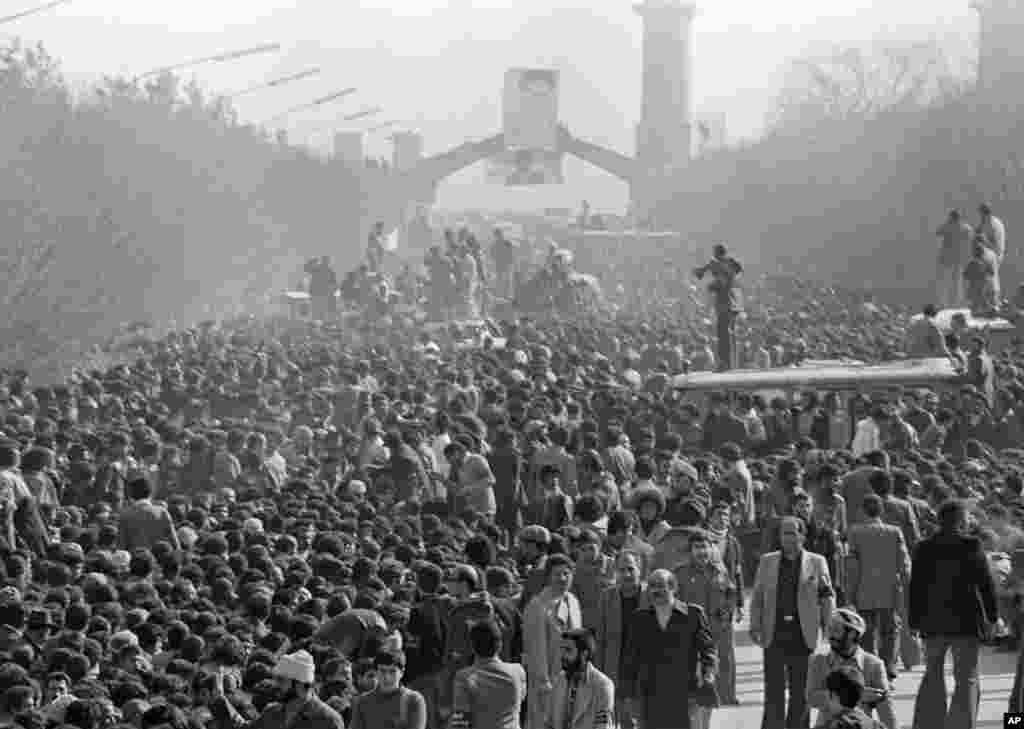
724,270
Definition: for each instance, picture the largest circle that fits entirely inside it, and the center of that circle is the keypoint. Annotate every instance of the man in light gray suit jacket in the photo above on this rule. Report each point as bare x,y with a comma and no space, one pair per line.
792,602
878,575
490,693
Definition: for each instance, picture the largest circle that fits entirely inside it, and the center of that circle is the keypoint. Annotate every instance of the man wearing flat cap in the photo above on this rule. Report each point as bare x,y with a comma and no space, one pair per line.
299,708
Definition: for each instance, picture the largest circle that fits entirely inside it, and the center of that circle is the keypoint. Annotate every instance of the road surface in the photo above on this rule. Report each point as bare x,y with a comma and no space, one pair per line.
997,671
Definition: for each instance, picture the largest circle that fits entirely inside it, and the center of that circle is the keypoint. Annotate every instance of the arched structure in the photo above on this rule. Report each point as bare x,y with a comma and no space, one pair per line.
663,134
430,171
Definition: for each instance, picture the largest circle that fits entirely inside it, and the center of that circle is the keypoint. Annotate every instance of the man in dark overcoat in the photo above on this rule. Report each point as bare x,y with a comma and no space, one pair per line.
671,657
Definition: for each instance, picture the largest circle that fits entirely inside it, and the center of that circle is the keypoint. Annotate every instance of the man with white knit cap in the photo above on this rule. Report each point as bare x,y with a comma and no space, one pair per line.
299,706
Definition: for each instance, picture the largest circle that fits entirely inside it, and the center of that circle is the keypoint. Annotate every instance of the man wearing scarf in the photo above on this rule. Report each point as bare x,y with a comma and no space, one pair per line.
725,543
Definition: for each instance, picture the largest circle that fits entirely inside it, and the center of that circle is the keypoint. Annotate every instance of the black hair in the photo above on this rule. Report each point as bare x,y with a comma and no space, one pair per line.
485,638
872,506
621,521
555,561
847,684
584,640
952,514
140,488
880,482
389,658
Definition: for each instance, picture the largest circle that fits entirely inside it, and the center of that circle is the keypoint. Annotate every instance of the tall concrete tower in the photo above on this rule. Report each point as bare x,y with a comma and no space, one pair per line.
1000,56
407,150
663,136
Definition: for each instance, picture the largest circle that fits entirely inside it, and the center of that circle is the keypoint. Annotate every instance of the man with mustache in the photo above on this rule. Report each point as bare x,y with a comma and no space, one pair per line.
672,656
792,601
583,697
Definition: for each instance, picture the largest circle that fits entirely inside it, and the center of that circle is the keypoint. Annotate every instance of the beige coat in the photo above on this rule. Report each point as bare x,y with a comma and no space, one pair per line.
542,636
595,702
815,597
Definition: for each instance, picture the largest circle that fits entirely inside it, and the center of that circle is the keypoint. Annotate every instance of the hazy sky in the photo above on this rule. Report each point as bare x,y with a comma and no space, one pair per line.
438,65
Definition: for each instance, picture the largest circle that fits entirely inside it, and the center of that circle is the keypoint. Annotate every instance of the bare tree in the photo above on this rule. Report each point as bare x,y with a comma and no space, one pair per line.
850,83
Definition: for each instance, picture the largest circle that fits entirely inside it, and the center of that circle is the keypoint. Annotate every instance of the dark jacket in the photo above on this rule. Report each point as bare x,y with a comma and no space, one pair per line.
507,467
551,511
951,587
463,615
662,667
510,622
982,374
315,714
722,429
428,632
407,470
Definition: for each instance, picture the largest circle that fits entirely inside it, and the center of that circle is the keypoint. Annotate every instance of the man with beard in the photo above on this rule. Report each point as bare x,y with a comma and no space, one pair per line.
298,706
845,631
672,656
583,697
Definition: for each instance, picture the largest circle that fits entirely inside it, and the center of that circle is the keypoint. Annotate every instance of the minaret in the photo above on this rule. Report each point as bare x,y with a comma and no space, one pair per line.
663,137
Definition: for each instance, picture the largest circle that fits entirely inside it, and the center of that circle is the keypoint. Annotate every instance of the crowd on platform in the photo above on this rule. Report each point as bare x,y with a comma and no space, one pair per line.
254,524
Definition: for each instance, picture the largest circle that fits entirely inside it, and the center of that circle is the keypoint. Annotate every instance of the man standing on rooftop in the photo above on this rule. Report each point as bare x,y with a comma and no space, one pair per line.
954,251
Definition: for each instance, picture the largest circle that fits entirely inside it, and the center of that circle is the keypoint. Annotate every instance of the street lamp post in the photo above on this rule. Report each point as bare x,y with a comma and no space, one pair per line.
312,104
219,58
273,83
33,11
372,111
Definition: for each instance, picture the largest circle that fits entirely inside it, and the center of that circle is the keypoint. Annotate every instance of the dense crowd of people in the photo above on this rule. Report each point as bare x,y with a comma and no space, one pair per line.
289,524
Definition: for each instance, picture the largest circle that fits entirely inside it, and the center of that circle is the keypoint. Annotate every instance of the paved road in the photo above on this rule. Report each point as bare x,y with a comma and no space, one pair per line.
996,682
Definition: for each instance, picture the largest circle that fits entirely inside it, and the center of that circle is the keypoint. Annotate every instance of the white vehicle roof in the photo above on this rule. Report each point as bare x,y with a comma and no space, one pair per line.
830,376
944,320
